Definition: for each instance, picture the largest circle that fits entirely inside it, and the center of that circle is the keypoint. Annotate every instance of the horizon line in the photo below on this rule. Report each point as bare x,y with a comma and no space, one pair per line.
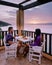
39,23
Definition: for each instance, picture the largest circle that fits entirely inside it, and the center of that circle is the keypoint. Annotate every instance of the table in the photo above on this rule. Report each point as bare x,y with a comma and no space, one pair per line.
24,40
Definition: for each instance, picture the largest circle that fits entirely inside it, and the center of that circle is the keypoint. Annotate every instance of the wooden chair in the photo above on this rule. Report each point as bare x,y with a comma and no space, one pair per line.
10,50
35,53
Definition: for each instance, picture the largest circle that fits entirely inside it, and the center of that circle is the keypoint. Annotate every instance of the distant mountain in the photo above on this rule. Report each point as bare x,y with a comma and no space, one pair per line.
49,23
4,24
39,23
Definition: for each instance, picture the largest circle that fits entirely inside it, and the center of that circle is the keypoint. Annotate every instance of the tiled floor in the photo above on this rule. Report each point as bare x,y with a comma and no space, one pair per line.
21,61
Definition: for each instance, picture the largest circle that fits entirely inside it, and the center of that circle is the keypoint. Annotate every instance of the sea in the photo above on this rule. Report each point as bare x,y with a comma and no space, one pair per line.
45,28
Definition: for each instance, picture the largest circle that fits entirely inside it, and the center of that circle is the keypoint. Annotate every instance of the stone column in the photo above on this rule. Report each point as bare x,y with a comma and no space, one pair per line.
20,20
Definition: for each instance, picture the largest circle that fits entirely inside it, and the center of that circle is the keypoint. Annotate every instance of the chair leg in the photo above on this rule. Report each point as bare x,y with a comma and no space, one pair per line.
15,55
6,56
30,58
39,60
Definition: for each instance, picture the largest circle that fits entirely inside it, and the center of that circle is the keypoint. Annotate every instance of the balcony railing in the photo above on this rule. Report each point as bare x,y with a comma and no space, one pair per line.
4,33
47,39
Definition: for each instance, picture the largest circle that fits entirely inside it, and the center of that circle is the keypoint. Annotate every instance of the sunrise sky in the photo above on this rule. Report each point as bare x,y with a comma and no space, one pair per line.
36,15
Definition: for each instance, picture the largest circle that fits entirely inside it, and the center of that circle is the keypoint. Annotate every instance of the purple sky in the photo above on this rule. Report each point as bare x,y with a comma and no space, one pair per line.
41,14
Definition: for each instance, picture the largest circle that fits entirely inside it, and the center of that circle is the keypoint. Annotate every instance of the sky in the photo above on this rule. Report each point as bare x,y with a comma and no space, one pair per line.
36,15
39,14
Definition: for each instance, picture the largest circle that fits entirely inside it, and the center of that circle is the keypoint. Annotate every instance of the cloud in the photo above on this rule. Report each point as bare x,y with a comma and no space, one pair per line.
7,12
40,14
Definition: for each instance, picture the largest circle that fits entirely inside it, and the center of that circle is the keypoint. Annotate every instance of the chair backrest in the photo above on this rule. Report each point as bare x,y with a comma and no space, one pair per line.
42,44
38,49
4,41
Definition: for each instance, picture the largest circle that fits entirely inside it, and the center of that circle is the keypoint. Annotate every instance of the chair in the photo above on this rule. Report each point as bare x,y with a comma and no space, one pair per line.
35,53
10,50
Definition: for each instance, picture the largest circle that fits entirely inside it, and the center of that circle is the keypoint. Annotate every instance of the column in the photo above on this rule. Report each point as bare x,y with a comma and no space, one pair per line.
20,20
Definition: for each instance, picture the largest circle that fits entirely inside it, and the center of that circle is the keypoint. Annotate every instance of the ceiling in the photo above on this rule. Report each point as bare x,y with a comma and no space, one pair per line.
24,4
14,1
19,1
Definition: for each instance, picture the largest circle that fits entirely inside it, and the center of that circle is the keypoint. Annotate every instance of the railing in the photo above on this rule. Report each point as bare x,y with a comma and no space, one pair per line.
47,39
4,33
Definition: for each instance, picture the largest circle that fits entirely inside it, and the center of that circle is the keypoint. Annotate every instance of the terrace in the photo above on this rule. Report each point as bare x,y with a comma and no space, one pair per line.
47,37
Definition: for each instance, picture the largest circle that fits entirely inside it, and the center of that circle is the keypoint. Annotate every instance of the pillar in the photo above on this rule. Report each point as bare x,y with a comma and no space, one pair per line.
20,20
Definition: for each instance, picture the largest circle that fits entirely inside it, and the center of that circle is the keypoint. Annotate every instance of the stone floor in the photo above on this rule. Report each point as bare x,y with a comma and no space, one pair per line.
20,61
